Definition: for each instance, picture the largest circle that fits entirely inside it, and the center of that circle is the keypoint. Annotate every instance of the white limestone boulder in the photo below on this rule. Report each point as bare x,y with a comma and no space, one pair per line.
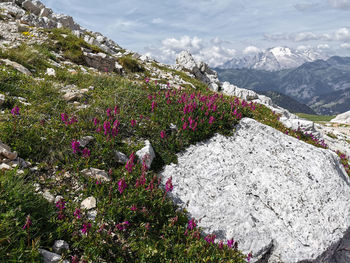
342,118
146,154
277,196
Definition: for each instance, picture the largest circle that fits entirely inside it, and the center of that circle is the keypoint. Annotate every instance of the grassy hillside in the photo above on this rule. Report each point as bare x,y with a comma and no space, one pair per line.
135,221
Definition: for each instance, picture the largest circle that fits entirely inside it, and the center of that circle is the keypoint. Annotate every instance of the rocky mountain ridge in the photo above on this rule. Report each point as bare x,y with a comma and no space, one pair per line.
274,59
323,85
79,115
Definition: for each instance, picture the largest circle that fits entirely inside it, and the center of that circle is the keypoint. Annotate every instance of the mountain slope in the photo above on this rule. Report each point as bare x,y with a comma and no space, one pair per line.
320,84
274,59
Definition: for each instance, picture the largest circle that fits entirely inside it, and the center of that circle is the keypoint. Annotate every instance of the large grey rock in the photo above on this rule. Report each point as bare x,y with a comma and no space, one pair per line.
342,118
12,9
271,192
233,90
100,61
16,66
120,157
32,6
147,154
50,257
96,174
86,140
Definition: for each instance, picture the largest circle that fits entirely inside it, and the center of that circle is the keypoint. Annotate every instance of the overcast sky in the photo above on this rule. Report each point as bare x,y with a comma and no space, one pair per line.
214,30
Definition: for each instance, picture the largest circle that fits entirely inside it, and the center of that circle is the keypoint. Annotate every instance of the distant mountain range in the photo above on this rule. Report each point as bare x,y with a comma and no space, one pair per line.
323,85
274,59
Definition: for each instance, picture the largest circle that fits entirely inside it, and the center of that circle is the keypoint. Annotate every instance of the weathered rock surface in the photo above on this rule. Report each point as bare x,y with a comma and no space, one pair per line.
201,70
96,174
60,246
342,118
147,154
50,257
89,203
16,66
269,191
120,157
86,140
5,151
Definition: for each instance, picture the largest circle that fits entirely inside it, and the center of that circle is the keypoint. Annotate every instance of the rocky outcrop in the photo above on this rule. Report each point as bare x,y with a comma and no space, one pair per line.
16,66
342,118
146,154
201,71
279,197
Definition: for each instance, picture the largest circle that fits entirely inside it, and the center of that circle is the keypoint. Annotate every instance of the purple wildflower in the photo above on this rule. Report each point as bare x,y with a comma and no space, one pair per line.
230,243
15,111
191,224
162,134
28,223
77,213
85,228
86,153
75,146
169,185
121,185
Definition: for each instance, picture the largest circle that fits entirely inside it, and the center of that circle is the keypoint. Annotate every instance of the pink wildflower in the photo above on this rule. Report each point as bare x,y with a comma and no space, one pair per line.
96,121
121,185
86,153
154,105
169,185
75,146
86,228
15,111
64,118
162,134
191,224
77,213
123,225
211,119
28,223
230,243
133,123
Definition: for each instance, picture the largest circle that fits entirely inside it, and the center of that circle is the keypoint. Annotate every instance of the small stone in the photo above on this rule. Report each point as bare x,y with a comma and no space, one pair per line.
60,246
89,203
97,174
50,257
5,166
146,154
121,157
48,196
2,99
91,215
58,198
50,72
16,66
86,140
6,152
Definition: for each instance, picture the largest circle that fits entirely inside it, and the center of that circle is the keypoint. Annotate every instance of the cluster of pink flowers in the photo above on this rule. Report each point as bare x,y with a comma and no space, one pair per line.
121,185
76,149
110,125
122,226
77,213
169,185
130,163
68,121
61,205
15,111
86,228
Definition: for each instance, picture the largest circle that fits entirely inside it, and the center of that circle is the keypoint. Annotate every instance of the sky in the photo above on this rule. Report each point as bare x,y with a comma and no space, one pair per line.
214,31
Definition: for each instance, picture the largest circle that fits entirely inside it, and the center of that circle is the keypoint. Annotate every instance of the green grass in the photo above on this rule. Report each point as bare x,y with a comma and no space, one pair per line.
315,118
156,231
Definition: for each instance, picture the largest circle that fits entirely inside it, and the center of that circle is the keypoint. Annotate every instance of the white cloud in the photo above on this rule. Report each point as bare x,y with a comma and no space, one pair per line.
157,20
345,45
251,50
339,3
343,34
323,46
214,52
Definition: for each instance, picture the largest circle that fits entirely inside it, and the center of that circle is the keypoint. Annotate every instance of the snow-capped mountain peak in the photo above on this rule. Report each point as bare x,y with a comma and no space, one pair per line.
276,58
